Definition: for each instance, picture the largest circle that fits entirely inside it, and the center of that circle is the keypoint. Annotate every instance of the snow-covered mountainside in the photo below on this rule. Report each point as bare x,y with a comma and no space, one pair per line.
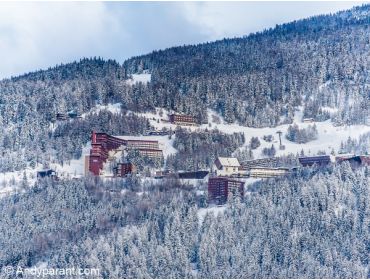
329,138
136,214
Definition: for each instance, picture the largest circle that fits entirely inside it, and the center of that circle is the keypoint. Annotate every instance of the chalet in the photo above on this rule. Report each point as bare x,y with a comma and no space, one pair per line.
181,119
365,159
48,173
227,166
321,160
308,120
221,188
123,169
269,172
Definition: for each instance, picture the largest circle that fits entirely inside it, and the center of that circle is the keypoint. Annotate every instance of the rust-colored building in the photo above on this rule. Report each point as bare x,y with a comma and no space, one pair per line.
123,169
102,143
220,188
353,160
182,119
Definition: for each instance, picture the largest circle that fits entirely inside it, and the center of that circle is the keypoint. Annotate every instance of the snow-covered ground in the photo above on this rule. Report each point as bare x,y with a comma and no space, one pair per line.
113,108
329,136
137,78
74,168
215,210
10,180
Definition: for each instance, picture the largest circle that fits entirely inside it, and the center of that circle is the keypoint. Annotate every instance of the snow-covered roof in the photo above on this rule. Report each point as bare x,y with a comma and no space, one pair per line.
228,161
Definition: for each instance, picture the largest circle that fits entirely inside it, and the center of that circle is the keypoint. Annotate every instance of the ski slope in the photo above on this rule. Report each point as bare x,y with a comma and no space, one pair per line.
329,136
139,78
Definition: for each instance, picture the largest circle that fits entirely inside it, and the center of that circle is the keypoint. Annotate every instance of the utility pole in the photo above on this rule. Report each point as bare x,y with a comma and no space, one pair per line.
281,147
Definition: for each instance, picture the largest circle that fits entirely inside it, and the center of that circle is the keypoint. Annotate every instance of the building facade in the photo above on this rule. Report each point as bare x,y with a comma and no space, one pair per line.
123,169
322,160
151,153
261,162
268,172
141,144
220,189
182,119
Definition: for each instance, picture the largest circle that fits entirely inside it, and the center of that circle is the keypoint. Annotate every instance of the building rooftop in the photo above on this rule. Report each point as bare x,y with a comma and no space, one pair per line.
229,161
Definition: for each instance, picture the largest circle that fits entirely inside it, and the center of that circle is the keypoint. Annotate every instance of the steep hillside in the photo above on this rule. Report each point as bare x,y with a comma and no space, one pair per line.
321,64
259,79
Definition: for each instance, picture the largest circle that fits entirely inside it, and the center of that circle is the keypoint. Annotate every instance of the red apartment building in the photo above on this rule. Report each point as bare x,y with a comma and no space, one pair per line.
220,188
102,143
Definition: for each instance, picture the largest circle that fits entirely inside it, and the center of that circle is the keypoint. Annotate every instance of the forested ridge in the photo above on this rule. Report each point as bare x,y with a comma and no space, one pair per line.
311,224
314,225
320,63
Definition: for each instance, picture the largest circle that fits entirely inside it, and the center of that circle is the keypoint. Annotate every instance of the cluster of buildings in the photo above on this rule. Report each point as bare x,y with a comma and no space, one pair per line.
228,172
223,183
324,160
103,144
258,168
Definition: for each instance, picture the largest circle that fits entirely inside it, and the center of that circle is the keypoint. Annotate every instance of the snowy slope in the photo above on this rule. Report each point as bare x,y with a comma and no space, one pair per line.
113,108
215,210
75,167
329,136
10,180
139,78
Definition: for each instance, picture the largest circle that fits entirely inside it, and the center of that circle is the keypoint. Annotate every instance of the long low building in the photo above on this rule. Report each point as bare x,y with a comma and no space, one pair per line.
321,160
182,119
269,172
261,162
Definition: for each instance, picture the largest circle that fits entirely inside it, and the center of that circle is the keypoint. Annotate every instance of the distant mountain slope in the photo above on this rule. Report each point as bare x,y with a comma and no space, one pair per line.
321,63
258,79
